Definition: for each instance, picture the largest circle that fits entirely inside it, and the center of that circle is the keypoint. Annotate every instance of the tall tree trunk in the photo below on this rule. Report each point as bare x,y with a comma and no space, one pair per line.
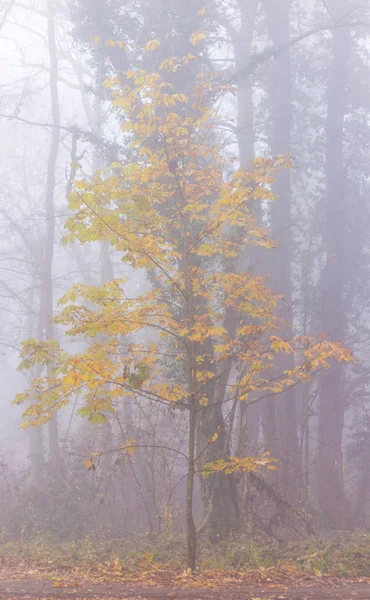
242,43
280,413
249,416
36,442
219,490
330,495
191,375
47,274
191,534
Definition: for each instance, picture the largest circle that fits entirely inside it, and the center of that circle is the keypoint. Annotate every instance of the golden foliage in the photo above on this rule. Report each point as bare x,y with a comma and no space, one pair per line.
182,225
241,465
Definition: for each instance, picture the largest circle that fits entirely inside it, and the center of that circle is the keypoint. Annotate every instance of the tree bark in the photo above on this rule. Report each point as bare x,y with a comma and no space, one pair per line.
191,535
330,494
280,413
36,442
191,372
47,271
249,416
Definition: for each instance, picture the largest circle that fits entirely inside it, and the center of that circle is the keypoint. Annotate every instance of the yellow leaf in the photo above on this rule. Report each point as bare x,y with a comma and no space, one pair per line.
202,11
89,464
152,45
197,37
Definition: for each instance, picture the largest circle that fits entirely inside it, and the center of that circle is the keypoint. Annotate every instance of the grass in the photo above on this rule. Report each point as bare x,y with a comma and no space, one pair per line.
343,555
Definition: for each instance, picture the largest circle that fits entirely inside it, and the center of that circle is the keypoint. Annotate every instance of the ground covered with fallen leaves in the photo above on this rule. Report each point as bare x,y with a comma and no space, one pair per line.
21,580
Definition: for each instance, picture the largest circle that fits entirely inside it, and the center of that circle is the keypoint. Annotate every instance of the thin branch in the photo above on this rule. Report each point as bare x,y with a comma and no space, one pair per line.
15,117
6,13
274,52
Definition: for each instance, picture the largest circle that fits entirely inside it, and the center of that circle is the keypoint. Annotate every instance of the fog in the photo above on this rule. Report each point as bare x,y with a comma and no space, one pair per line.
280,79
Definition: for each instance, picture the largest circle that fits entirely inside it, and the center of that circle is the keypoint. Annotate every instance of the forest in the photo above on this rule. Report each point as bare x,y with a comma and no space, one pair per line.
185,255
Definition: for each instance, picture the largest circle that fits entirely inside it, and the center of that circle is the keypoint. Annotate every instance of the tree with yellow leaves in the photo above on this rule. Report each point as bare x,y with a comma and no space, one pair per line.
172,212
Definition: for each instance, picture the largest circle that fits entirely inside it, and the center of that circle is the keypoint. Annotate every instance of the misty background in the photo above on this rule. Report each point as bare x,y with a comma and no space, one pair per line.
301,70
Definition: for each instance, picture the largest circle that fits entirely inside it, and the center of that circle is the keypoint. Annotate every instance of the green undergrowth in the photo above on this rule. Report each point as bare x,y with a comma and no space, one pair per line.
343,554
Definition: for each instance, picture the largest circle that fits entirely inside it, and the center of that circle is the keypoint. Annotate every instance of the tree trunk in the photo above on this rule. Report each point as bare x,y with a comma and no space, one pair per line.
249,416
36,441
220,491
330,495
191,374
191,535
280,413
47,275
